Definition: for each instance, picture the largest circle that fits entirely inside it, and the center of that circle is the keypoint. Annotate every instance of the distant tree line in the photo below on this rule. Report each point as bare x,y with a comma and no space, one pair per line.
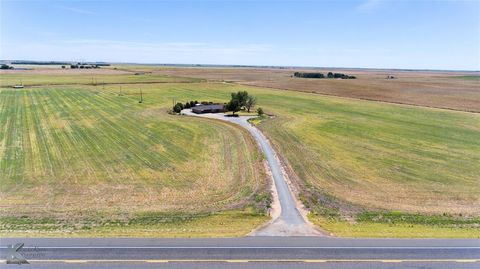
59,63
40,62
308,75
6,66
83,66
321,75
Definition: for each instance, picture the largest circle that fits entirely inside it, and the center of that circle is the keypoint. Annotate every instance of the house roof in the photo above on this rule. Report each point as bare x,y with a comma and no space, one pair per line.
208,107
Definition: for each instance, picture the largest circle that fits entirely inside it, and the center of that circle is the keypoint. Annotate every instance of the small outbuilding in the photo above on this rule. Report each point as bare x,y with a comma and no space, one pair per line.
200,109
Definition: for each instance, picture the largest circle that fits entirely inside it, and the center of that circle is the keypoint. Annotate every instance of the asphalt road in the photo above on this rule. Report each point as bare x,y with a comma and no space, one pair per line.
290,222
247,252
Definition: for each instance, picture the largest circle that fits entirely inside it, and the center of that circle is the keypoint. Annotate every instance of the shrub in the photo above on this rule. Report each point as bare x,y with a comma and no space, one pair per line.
178,107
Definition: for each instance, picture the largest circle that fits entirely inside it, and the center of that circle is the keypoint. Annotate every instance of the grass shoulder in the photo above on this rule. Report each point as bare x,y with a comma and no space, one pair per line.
231,223
400,225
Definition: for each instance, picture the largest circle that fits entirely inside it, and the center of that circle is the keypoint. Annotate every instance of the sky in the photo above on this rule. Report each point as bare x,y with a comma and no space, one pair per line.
410,34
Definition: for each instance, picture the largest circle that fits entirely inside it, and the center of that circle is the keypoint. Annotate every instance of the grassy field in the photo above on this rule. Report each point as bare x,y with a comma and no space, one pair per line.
96,77
377,155
77,153
350,156
355,162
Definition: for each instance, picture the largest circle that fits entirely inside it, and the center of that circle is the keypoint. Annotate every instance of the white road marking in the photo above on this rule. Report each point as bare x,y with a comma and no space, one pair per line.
239,247
254,260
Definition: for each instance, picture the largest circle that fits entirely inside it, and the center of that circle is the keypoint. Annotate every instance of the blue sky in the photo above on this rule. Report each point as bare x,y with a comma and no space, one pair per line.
365,33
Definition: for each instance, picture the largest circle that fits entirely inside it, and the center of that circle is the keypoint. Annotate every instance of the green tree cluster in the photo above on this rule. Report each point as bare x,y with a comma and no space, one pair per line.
321,75
308,75
241,100
179,106
190,104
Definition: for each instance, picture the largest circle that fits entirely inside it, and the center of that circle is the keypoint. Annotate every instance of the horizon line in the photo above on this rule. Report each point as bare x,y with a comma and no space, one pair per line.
243,65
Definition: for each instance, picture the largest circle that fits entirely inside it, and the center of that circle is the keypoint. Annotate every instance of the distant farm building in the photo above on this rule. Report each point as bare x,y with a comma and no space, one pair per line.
199,109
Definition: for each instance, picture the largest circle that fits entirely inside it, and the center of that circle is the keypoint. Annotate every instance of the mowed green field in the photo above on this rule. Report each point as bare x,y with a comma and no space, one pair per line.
381,155
364,168
75,155
416,170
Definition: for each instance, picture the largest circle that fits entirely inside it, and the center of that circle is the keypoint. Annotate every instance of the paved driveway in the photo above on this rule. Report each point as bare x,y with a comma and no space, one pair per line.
290,222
